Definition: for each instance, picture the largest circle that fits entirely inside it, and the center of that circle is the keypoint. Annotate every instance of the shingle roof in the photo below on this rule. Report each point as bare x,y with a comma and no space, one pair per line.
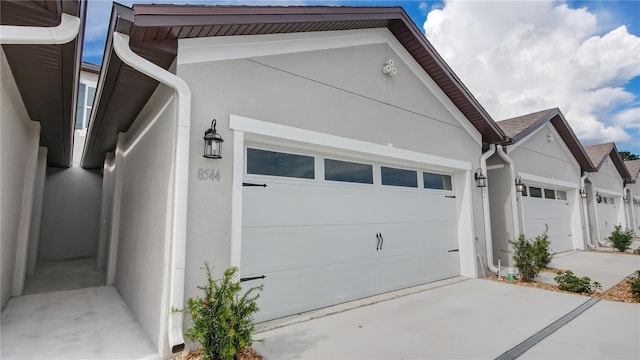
598,153
634,168
520,127
516,125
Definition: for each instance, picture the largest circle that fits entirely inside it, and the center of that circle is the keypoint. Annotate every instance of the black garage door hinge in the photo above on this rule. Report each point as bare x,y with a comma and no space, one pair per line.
252,278
252,184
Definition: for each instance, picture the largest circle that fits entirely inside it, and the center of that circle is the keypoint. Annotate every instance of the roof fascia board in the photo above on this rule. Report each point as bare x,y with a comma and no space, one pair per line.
619,164
197,50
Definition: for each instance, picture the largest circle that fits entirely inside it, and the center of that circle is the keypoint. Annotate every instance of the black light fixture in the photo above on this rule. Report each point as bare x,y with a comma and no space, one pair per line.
625,198
598,197
583,193
519,184
481,180
212,142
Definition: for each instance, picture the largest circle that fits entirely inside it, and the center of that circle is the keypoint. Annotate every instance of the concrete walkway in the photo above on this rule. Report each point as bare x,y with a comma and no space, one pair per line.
607,269
472,319
91,323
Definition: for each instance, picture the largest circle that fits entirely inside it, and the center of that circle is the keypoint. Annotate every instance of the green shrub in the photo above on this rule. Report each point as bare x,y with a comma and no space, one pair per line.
524,259
223,319
541,250
635,285
621,240
531,257
569,282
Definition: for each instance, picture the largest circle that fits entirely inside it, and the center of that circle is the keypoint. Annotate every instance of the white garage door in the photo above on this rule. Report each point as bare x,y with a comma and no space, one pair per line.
548,210
607,209
636,211
325,231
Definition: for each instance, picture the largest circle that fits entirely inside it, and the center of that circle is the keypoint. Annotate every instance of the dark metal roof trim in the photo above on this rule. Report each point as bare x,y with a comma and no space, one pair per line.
47,75
154,30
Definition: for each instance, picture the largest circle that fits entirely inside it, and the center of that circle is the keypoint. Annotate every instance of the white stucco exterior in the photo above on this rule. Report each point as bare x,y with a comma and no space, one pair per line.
329,84
19,139
137,196
542,160
605,185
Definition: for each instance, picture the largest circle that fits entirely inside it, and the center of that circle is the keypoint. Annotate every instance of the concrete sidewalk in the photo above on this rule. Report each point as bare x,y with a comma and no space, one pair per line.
607,269
472,319
91,323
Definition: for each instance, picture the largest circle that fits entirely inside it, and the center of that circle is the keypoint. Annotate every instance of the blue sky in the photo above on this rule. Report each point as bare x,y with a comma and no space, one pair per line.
593,75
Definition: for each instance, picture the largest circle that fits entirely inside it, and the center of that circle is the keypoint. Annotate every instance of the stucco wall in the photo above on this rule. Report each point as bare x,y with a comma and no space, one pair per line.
549,159
17,142
145,169
70,214
502,230
337,91
607,178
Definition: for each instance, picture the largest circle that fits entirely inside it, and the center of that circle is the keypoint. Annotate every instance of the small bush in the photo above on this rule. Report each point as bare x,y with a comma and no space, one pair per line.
635,286
621,240
541,251
531,257
524,259
223,319
569,282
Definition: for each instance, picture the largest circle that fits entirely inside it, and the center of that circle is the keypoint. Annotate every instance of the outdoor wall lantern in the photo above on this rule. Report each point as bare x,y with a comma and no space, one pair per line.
519,184
212,142
625,199
481,180
583,193
598,197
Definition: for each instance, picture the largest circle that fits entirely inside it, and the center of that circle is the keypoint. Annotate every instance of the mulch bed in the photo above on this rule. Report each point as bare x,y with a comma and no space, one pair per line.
245,354
620,292
614,252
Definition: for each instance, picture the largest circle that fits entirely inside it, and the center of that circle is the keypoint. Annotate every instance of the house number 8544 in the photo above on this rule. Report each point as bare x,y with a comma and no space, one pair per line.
208,174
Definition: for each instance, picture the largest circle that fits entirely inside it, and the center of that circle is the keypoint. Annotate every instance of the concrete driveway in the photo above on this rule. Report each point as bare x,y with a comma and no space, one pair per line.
606,268
470,319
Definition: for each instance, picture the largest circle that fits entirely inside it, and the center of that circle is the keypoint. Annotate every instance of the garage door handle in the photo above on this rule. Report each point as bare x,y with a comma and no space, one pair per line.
381,241
378,243
252,278
454,250
252,184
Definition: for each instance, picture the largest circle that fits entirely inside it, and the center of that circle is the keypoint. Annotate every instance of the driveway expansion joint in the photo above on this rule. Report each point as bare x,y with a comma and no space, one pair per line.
534,339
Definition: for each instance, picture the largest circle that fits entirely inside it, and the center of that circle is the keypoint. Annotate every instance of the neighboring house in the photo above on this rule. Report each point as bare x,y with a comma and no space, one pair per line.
347,162
605,191
545,155
40,66
632,196
86,94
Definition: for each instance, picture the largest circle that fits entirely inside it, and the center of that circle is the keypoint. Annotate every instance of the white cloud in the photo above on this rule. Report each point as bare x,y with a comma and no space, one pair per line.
520,57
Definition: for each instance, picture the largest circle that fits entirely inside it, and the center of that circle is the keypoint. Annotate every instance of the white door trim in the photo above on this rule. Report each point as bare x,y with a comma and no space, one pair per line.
461,170
549,181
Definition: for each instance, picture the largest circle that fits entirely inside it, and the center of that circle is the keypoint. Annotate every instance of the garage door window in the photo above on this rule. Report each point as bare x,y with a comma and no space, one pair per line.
399,177
535,192
562,195
337,170
549,194
436,181
262,162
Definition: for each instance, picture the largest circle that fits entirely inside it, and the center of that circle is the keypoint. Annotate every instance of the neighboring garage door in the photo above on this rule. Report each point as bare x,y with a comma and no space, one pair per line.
326,230
607,208
547,210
